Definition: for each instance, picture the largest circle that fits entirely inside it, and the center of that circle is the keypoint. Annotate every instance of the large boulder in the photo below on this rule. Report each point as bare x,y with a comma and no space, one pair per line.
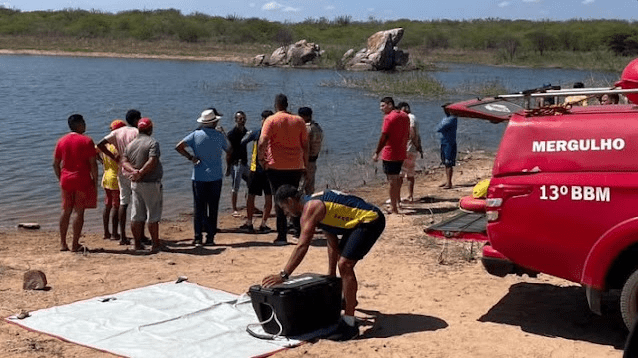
381,52
297,54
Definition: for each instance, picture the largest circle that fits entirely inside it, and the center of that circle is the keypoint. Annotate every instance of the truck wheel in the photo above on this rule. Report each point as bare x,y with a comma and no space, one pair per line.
629,300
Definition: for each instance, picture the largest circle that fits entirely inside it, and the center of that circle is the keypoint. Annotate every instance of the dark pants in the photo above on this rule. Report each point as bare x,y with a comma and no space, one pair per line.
206,195
278,178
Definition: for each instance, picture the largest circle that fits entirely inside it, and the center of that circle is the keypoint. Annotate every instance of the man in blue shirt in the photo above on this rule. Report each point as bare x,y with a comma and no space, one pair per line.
447,131
207,144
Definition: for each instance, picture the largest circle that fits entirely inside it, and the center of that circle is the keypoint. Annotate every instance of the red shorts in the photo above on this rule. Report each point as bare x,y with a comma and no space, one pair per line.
112,198
80,199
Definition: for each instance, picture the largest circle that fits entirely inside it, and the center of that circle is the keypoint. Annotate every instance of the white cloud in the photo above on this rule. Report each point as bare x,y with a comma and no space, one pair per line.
272,6
330,7
291,9
587,2
370,9
503,4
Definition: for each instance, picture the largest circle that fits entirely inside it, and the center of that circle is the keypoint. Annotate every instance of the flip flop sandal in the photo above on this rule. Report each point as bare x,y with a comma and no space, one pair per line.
80,249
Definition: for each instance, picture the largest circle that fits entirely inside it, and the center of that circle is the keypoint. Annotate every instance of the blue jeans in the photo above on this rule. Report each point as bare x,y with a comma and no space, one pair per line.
206,195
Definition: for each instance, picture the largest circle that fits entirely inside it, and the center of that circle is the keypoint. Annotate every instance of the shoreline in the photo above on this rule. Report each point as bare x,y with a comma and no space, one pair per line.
94,54
374,191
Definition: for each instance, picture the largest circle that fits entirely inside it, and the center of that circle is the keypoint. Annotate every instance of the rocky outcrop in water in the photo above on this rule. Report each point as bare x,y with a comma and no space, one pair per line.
297,54
381,53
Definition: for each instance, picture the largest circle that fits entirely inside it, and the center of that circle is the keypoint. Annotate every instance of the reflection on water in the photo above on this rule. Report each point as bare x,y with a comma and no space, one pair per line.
39,93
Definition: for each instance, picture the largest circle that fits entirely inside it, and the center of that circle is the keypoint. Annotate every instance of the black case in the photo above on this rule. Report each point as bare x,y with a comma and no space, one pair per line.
302,304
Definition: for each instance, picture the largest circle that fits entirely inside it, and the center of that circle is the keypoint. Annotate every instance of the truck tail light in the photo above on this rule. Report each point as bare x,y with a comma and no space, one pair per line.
497,196
491,215
494,202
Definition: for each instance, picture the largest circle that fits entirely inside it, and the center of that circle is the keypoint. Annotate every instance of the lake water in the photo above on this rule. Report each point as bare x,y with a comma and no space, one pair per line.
39,93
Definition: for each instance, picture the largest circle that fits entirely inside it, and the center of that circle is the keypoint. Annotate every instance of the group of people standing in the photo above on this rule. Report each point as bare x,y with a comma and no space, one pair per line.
285,152
136,180
287,148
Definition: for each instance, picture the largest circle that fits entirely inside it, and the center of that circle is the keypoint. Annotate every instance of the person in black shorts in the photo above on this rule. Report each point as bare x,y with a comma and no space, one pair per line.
391,148
357,222
257,183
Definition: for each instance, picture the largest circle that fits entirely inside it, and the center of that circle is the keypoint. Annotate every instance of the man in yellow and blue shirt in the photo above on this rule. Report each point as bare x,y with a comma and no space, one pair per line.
359,223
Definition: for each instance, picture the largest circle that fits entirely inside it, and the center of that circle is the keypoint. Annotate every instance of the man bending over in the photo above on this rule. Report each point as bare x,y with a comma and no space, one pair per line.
359,223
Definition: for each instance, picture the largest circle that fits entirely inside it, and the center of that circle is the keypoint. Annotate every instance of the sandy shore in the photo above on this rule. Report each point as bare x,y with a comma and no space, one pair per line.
223,58
421,297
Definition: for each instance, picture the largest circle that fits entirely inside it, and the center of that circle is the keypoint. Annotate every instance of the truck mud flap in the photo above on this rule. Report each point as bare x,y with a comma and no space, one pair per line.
462,226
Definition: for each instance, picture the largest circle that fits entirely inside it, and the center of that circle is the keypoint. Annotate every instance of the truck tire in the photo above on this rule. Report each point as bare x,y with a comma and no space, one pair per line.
629,300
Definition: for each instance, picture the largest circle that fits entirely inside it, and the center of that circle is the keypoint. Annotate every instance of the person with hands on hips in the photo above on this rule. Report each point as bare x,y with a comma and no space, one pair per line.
207,144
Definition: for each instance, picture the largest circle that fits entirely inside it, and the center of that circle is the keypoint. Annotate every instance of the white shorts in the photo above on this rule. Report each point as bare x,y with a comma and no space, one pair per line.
408,169
147,201
125,189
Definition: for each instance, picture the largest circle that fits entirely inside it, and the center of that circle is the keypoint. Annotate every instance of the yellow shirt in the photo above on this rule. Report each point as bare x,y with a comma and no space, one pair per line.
109,179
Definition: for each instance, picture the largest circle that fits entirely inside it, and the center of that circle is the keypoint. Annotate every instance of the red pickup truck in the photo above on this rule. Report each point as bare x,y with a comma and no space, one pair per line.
563,197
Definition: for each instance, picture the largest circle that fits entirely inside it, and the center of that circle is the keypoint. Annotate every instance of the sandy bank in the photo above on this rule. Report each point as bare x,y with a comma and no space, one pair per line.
223,58
420,297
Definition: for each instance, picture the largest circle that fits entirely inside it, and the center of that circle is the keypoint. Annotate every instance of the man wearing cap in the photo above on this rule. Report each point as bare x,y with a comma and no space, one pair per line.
283,152
76,168
392,143
120,138
207,145
447,133
141,159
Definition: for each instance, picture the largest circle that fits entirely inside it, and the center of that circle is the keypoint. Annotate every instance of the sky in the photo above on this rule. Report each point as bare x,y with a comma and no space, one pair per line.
299,10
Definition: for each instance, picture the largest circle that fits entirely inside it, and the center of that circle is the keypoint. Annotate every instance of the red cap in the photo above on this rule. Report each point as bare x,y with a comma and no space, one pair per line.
144,123
118,123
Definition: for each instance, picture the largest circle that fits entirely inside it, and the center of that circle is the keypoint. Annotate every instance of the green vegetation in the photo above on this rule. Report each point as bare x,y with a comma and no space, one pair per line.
593,44
412,82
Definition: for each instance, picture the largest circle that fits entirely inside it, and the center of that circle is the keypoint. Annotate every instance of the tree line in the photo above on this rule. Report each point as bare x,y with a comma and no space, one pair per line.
508,38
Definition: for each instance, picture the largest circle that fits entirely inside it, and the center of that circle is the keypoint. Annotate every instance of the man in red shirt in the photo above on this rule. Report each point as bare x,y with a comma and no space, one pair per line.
283,153
392,146
75,165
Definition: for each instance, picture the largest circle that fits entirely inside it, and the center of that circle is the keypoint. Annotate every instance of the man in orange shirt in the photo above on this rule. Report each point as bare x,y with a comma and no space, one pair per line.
283,152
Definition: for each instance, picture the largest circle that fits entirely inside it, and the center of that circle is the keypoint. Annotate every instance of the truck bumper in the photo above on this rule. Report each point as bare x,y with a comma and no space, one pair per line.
497,264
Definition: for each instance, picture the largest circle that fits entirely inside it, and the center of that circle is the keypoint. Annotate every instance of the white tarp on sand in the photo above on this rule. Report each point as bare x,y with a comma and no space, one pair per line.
162,320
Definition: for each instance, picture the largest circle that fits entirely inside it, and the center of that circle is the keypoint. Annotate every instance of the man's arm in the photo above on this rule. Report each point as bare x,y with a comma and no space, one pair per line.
382,141
262,147
150,164
313,212
94,173
305,142
57,167
181,149
102,147
415,139
249,137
